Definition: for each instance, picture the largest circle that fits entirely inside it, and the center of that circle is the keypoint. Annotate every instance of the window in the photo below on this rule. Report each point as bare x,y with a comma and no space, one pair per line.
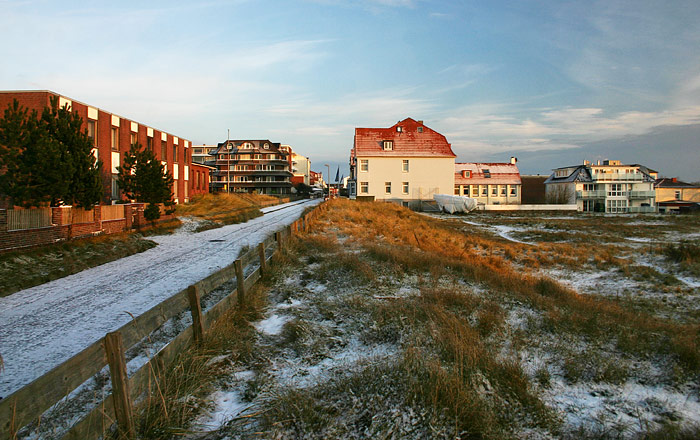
115,138
466,174
503,190
247,146
399,129
456,190
616,205
364,164
589,205
388,145
513,191
133,140
484,190
589,187
175,153
678,195
404,187
164,150
420,129
487,173
266,146
466,190
149,143
405,166
615,190
387,187
115,187
364,187
92,131
494,190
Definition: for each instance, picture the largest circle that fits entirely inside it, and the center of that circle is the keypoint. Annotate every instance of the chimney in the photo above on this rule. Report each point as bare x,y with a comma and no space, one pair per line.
674,180
420,122
586,162
513,160
598,161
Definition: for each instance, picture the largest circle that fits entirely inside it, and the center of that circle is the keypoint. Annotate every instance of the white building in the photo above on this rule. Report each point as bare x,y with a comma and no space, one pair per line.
406,163
608,187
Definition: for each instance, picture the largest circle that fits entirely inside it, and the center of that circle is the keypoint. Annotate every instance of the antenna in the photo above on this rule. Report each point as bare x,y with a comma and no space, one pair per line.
228,133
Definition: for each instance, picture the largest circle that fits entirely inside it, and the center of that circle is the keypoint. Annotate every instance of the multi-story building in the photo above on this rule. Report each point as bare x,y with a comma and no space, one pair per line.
301,169
489,183
200,153
250,166
675,195
406,163
608,187
316,179
112,136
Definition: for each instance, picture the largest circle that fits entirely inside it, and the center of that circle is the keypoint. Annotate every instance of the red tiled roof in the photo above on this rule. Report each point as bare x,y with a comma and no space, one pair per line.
409,142
501,174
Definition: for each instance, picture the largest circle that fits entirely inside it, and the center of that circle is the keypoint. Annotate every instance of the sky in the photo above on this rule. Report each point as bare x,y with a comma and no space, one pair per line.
549,82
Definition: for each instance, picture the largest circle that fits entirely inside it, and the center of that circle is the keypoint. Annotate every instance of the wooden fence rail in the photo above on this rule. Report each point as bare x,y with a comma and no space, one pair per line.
30,402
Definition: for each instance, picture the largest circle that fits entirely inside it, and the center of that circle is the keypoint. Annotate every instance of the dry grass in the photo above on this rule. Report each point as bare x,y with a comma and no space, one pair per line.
219,209
26,268
419,243
175,400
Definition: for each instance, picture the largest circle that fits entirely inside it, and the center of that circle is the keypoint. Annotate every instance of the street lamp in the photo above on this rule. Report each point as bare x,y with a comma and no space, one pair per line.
328,185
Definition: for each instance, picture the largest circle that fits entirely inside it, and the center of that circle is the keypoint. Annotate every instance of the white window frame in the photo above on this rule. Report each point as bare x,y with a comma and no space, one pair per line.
404,187
364,187
405,166
364,165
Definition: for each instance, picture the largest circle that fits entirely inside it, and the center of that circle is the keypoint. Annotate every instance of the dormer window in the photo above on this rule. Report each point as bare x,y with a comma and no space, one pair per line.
247,146
466,174
420,129
229,146
266,146
487,174
399,129
388,145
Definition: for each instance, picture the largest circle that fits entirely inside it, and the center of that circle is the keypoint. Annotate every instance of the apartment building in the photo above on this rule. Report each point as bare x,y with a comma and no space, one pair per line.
406,163
301,169
609,186
489,183
258,166
112,136
201,153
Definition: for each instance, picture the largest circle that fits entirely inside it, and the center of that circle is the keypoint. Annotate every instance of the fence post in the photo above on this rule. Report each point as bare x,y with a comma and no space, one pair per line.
263,263
196,310
240,282
278,238
114,349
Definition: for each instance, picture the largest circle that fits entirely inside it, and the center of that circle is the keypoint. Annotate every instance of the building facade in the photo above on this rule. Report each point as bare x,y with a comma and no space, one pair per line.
200,153
406,163
604,187
112,137
673,195
301,169
489,183
252,166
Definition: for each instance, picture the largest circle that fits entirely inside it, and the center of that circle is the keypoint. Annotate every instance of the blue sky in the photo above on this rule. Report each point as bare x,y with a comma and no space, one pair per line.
551,83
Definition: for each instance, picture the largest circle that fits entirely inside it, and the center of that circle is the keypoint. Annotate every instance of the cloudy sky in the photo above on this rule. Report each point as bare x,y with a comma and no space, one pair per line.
550,82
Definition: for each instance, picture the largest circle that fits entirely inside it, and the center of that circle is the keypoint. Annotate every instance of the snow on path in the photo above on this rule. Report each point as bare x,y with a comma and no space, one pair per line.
46,325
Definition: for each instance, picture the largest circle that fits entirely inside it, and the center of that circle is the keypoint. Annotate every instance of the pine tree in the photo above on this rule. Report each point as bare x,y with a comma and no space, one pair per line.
47,158
143,178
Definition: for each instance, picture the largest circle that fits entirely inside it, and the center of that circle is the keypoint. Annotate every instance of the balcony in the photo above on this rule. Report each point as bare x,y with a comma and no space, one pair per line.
642,209
617,177
641,194
590,194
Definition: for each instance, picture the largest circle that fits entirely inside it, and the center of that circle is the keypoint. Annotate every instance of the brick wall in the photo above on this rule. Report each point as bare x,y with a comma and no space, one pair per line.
63,230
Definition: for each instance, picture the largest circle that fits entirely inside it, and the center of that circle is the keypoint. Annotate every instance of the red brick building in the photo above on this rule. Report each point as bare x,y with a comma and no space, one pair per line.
113,135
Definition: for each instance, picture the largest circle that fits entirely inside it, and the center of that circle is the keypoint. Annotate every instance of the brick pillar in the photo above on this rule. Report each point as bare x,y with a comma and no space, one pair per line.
3,219
97,217
128,216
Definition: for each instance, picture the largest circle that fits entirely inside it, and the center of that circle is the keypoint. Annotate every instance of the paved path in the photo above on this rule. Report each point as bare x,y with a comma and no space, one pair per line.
46,325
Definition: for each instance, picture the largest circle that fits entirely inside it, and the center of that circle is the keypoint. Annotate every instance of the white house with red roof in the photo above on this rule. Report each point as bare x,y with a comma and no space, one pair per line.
405,163
489,183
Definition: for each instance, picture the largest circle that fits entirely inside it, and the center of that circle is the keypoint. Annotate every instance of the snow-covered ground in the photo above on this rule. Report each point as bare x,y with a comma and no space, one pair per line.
46,325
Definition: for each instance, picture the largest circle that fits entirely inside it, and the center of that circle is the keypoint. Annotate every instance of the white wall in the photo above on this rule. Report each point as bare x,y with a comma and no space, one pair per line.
426,177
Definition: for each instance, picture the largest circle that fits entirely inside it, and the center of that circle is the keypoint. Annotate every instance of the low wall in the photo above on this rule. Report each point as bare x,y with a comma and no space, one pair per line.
526,208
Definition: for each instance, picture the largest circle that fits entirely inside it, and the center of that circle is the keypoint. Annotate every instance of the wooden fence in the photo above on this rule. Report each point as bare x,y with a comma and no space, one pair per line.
112,212
18,219
30,402
80,215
